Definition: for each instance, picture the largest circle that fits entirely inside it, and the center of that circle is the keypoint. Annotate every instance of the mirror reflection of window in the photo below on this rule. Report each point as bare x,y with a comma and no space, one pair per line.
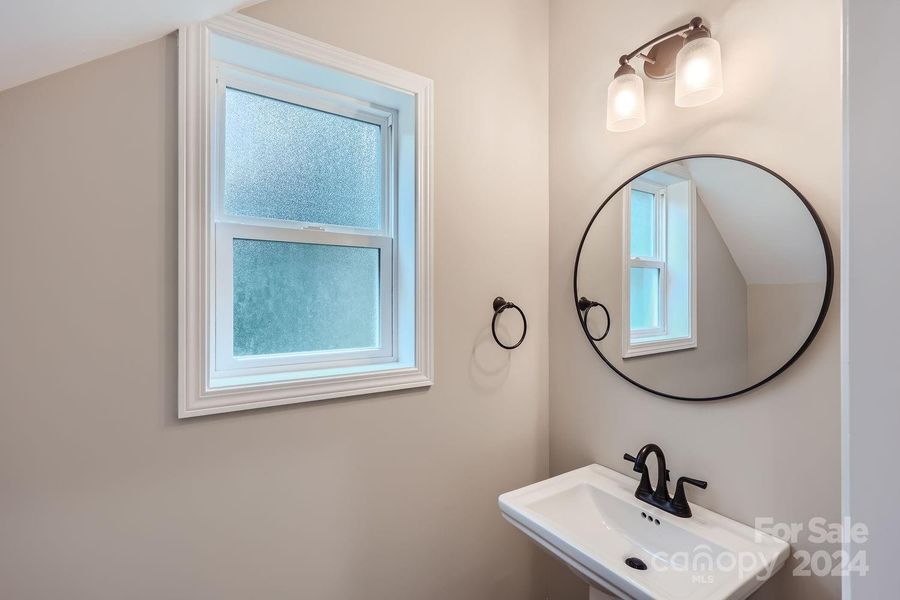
647,261
659,266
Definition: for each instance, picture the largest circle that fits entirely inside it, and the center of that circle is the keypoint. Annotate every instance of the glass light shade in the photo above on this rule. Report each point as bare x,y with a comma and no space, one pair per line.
698,73
625,103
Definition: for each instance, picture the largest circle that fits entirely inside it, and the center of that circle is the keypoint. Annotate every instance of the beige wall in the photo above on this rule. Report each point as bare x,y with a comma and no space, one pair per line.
774,452
779,317
106,495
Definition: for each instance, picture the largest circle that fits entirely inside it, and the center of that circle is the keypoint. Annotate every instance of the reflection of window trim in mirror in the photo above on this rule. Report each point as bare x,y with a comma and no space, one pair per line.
673,239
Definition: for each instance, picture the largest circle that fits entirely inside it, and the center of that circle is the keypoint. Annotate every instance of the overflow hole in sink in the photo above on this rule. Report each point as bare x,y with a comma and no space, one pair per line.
636,563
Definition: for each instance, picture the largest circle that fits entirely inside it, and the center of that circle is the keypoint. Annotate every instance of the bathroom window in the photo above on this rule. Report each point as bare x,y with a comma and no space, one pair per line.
659,277
305,203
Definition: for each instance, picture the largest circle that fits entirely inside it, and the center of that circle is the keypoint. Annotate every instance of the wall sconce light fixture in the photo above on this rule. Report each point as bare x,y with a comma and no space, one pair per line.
687,52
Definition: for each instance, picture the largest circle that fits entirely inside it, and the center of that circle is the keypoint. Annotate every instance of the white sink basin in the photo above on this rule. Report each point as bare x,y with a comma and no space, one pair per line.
590,519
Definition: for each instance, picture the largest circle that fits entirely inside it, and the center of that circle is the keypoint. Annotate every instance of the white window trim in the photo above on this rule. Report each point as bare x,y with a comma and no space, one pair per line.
260,387
656,340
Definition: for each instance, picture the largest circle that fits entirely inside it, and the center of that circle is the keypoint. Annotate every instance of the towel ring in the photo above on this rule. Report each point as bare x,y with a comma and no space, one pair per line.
500,304
585,306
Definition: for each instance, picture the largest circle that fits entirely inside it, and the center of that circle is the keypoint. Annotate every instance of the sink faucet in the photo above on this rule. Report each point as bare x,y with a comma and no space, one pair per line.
659,497
644,492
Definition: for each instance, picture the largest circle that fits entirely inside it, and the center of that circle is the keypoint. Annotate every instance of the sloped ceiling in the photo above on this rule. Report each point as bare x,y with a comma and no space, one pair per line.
772,237
40,37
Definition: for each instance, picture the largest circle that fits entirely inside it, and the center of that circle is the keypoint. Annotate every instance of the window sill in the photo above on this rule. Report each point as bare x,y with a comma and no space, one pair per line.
658,346
228,394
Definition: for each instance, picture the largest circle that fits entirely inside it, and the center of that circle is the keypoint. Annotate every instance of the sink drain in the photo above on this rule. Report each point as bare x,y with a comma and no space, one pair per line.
636,563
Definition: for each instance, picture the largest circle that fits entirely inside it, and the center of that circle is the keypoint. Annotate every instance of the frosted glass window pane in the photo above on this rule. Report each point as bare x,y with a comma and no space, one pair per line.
292,297
643,224
285,161
644,297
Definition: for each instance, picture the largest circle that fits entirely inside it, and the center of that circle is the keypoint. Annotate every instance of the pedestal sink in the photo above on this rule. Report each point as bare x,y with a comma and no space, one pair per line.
590,520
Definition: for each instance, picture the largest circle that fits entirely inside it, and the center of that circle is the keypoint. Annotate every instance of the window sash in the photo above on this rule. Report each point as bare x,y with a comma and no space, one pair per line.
659,218
231,76
661,329
224,363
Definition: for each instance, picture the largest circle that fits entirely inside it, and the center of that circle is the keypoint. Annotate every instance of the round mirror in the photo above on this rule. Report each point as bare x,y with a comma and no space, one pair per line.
703,277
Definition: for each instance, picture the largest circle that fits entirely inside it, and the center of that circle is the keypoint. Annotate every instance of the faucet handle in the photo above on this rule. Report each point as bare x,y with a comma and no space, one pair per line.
700,484
630,458
679,502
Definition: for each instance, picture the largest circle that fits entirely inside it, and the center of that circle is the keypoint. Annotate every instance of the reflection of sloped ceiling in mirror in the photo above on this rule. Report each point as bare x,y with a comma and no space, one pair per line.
746,202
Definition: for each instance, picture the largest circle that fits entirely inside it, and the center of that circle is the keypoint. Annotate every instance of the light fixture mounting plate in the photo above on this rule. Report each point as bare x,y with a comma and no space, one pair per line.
662,58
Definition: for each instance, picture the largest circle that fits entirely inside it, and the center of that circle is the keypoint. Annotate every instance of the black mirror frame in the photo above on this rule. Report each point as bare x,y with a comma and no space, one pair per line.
826,299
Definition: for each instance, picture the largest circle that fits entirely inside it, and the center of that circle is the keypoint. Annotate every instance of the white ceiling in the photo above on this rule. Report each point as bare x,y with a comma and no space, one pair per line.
41,37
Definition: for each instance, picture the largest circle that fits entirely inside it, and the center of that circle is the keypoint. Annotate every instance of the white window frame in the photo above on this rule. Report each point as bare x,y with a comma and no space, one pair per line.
661,338
231,227
656,261
211,379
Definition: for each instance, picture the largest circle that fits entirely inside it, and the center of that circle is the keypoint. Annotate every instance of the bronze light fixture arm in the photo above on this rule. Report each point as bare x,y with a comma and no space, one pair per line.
693,24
